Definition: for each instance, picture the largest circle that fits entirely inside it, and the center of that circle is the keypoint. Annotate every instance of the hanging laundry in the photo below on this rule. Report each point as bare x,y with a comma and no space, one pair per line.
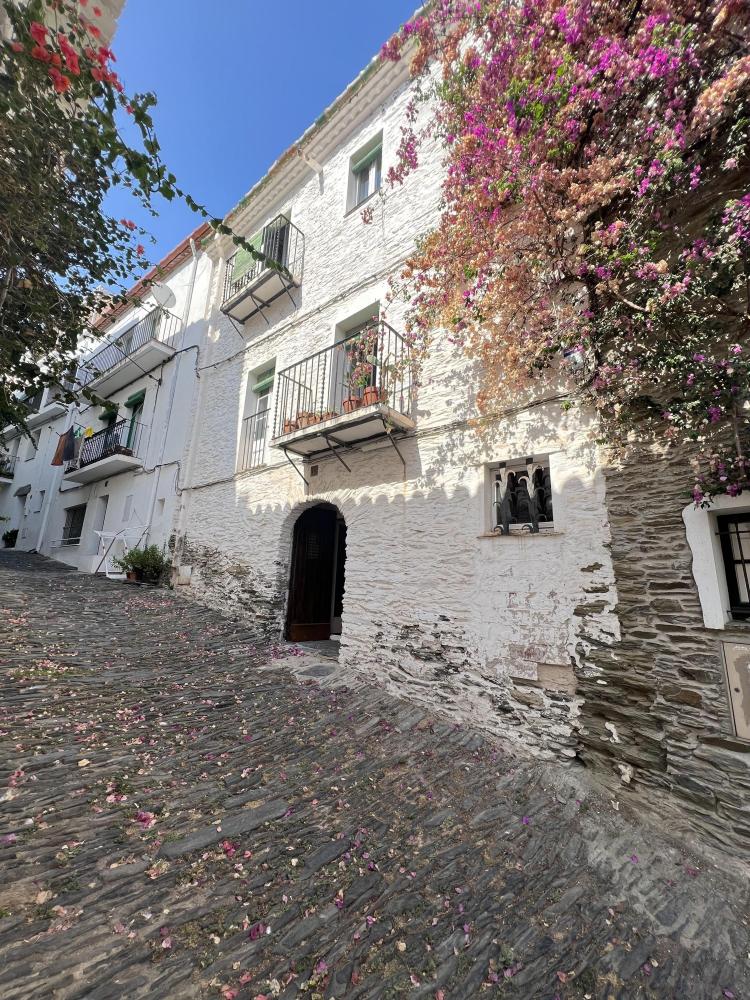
57,458
89,432
69,449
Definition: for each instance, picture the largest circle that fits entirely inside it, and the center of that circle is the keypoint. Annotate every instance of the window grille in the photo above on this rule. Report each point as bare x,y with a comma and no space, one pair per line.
522,497
734,532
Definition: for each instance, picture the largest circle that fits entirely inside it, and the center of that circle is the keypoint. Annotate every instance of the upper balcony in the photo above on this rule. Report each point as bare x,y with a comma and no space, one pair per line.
251,285
144,346
7,468
114,449
40,408
354,391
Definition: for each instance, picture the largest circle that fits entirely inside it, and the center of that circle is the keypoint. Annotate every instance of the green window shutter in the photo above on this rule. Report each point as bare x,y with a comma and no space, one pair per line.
367,159
264,381
243,259
108,414
135,400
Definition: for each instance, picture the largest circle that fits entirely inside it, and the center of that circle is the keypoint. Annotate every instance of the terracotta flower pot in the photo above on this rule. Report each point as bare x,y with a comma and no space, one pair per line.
328,415
289,426
133,575
351,403
371,395
306,419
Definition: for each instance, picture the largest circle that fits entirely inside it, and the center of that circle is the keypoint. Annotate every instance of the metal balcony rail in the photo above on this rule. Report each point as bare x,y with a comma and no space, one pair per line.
370,366
120,438
281,242
159,324
253,440
7,466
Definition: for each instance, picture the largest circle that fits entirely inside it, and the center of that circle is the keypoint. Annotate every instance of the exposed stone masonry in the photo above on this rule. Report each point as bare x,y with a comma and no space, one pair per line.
655,712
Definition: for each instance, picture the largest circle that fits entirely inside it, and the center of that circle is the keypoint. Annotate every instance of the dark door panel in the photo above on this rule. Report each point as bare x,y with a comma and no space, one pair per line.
311,583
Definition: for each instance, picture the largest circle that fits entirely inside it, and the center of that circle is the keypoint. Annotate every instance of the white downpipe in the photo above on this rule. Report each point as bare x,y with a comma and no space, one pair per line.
172,391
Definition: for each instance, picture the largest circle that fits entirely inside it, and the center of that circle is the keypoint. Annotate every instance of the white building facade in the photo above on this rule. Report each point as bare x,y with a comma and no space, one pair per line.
116,486
330,494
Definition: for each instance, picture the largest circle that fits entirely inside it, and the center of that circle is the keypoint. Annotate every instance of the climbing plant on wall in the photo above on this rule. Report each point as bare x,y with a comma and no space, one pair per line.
596,208
69,133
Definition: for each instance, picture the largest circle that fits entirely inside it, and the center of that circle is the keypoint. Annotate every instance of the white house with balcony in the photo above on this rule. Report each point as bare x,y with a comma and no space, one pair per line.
333,493
119,479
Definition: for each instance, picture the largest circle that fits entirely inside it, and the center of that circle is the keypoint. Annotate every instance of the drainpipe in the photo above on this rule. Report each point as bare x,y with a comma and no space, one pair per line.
172,391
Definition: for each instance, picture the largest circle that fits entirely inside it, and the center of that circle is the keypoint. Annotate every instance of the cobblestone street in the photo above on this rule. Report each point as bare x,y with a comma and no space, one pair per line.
185,816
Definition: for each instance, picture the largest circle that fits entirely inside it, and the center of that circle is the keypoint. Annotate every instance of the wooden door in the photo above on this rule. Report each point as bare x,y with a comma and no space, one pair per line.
312,575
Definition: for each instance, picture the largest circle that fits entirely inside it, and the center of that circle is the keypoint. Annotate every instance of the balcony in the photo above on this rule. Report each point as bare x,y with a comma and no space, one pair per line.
7,468
36,414
253,440
355,391
251,285
139,350
112,450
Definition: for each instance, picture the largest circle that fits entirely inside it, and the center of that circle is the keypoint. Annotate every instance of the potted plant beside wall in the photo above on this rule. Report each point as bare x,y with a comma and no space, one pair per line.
147,564
9,538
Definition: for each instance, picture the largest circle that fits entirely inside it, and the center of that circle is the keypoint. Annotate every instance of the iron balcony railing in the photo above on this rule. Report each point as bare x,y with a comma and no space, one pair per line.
159,324
370,366
281,242
120,438
7,466
253,440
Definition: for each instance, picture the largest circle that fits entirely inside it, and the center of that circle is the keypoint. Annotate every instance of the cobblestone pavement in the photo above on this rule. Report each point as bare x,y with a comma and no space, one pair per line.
183,816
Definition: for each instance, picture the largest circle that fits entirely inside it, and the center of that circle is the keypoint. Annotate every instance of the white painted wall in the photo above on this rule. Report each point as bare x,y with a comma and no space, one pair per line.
431,602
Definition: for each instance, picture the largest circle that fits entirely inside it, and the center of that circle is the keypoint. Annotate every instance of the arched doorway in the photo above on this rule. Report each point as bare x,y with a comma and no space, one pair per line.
316,580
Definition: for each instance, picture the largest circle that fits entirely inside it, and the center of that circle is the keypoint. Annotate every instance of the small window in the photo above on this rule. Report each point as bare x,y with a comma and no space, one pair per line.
365,172
127,507
734,532
522,496
74,518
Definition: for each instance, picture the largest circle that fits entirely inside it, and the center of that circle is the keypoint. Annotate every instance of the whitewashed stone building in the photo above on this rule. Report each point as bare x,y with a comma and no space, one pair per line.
328,494
120,487
490,565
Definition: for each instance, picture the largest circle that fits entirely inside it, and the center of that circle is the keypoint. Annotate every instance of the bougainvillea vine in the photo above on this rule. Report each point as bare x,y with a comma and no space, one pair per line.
596,209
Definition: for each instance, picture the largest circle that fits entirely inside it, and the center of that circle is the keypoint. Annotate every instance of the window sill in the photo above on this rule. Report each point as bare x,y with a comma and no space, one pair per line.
361,204
523,534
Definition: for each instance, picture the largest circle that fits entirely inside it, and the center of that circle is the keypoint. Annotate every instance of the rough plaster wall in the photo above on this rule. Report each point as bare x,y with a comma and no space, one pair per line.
655,711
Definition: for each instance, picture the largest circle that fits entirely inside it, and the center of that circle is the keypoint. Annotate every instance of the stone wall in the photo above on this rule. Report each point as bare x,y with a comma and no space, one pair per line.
655,714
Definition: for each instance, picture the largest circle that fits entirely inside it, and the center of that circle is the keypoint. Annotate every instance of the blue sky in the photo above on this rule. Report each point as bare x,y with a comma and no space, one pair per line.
237,82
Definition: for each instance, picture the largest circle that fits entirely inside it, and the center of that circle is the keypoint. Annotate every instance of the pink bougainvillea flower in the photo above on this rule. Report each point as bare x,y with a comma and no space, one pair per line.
634,859
16,46
146,819
41,53
322,967
166,943
257,931
140,250
38,32
526,821
10,838
97,11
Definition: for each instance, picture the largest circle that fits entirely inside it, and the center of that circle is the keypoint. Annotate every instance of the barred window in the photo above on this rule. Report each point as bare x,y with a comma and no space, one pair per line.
522,496
734,532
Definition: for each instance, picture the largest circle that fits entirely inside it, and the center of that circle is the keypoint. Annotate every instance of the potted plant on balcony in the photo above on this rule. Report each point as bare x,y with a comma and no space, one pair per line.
359,379
289,426
306,417
9,538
